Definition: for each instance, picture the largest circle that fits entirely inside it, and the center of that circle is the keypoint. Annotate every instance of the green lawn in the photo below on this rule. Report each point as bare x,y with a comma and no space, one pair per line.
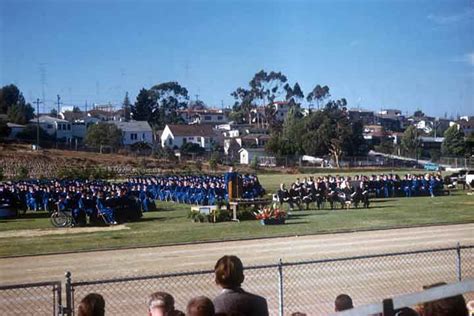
170,224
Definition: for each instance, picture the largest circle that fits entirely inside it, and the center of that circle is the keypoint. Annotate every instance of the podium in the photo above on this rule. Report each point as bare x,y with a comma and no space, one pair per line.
234,185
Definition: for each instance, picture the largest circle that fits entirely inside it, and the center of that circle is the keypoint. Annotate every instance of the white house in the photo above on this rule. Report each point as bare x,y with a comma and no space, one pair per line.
178,135
134,131
60,128
205,116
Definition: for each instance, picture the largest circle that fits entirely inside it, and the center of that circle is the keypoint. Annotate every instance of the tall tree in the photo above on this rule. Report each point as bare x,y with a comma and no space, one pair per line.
143,107
10,95
470,145
453,143
318,94
169,98
127,107
295,95
13,104
386,144
410,141
266,87
103,134
243,103
20,113
340,134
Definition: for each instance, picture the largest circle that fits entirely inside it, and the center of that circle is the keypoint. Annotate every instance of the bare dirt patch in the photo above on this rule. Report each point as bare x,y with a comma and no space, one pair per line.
59,231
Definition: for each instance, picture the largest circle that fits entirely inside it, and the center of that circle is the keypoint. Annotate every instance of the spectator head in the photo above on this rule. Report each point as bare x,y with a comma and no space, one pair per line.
298,314
343,302
229,272
160,304
452,306
200,306
406,311
92,304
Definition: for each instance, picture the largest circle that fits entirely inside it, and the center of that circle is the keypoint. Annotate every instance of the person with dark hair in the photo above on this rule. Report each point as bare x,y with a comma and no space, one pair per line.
229,274
92,304
200,306
449,306
343,302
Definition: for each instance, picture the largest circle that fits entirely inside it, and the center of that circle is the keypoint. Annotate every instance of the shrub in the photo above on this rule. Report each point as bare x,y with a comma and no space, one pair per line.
22,172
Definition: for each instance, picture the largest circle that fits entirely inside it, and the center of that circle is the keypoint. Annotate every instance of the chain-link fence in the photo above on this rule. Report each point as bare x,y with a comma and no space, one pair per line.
309,286
31,299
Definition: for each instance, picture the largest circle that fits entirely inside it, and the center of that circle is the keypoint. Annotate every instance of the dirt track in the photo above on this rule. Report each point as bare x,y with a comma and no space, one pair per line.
97,265
310,288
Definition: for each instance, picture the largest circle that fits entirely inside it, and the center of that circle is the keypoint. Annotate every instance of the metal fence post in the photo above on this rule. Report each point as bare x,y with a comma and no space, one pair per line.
280,288
68,310
58,305
458,262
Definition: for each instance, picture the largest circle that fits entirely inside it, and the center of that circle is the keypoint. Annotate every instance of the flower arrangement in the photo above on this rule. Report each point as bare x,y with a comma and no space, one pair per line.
269,212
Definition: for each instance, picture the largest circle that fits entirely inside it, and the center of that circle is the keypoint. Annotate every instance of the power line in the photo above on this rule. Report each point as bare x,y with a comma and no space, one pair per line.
38,123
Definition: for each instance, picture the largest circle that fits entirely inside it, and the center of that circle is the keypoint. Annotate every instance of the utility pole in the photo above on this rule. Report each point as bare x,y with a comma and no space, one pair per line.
38,123
59,103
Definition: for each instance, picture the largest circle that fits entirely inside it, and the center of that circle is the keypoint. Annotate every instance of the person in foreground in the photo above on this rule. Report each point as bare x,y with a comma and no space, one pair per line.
343,302
229,275
200,306
449,306
92,304
162,304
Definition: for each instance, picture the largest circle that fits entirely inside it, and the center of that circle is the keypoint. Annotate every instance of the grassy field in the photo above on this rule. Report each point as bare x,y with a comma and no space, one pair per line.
170,225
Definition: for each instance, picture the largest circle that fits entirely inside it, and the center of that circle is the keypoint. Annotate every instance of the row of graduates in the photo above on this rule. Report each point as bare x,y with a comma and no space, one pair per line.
201,190
344,189
46,194
381,186
392,185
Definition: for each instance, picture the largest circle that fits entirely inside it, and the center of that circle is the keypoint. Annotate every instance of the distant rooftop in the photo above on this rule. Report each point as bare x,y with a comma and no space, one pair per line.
132,126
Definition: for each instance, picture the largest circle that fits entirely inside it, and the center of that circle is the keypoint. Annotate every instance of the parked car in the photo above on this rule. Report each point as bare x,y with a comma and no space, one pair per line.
456,178
469,178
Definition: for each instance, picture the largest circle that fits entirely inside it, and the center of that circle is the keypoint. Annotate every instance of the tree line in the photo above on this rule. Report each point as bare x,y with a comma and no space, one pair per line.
321,128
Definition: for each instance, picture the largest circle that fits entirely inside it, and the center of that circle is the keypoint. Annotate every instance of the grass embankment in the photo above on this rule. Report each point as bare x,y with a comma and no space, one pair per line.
170,224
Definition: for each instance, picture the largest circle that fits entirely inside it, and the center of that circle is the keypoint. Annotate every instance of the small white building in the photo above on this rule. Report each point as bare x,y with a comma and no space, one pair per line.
247,155
178,135
134,132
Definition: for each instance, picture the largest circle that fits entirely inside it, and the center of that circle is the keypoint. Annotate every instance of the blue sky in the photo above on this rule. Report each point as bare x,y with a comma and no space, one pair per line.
377,54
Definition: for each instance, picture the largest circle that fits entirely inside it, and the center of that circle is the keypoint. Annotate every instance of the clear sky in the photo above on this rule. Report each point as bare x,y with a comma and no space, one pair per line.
377,54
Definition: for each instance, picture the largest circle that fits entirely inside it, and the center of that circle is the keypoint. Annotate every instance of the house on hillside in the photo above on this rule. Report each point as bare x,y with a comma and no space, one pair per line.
366,116
15,129
205,116
175,136
54,126
466,124
391,120
253,140
135,132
